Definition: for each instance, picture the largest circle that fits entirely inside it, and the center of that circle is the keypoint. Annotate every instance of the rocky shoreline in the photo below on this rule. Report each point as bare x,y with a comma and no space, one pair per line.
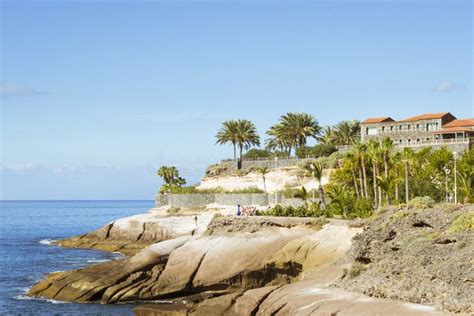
207,264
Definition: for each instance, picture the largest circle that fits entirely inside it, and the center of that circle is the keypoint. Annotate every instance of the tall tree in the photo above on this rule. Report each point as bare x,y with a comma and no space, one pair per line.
349,161
374,154
387,147
326,136
247,136
293,130
228,133
347,132
315,170
263,171
407,158
360,151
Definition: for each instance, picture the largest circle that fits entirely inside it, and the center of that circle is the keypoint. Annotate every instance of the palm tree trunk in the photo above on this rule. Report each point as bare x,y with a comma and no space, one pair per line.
406,183
235,152
364,172
396,184
354,180
379,190
361,182
264,184
374,173
241,148
321,193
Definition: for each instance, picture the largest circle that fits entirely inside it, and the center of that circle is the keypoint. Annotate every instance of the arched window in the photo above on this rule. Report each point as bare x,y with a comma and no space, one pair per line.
427,126
417,126
383,128
408,127
391,128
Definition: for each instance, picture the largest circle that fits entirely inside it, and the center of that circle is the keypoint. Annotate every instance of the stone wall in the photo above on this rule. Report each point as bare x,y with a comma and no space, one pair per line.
270,163
197,200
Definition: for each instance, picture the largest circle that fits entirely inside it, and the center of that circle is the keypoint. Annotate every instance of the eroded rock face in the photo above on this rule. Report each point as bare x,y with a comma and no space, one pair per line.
131,234
191,265
413,255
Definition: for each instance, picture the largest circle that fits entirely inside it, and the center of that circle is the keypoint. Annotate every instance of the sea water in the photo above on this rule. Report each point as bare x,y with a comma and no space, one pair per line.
26,254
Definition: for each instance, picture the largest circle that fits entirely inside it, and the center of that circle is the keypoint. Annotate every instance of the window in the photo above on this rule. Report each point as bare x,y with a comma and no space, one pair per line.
427,126
401,141
417,126
409,141
400,127
408,126
383,128
391,128
418,140
427,138
371,130
366,131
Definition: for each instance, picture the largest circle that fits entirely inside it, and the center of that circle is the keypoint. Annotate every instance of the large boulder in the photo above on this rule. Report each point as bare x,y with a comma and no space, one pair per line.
131,234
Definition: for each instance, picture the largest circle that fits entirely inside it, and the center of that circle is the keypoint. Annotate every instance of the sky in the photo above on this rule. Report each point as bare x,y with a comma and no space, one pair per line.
96,95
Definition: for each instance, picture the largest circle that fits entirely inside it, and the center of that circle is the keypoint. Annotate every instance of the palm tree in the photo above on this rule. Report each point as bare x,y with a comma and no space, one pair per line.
407,157
466,185
228,134
278,139
374,154
326,136
341,196
349,161
292,130
170,177
347,132
396,158
386,146
246,136
387,183
263,171
302,194
360,151
315,169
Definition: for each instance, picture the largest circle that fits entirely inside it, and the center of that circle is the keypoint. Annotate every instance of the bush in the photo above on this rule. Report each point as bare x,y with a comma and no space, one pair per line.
363,208
194,190
257,153
421,202
289,211
463,223
319,150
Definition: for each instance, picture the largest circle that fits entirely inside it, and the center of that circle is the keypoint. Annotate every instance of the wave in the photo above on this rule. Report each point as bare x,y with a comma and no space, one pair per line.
29,298
47,241
98,260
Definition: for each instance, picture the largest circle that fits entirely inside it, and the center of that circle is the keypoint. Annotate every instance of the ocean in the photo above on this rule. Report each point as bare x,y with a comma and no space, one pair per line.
26,255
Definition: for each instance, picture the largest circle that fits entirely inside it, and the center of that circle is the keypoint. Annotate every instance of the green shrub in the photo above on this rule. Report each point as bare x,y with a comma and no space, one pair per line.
362,208
462,223
194,190
257,153
421,202
354,270
312,210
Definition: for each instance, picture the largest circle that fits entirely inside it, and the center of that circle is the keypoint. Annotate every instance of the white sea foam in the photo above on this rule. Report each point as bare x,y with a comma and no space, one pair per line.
47,241
97,260
26,297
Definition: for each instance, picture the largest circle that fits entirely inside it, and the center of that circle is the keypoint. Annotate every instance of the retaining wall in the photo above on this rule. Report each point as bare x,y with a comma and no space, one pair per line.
196,200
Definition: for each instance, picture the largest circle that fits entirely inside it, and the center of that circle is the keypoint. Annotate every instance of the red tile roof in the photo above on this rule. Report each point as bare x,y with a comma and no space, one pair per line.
452,130
377,120
427,116
460,123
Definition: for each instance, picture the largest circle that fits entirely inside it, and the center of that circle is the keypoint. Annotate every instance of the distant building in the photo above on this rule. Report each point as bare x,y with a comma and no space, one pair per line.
433,130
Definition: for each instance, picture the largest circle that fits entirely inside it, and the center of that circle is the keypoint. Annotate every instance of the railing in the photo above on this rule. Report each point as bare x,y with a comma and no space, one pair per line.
272,158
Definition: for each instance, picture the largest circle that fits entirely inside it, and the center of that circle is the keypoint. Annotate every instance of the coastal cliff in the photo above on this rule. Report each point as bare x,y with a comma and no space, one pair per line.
213,265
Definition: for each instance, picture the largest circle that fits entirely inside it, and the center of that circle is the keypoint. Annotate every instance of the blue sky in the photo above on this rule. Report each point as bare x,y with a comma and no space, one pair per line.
96,95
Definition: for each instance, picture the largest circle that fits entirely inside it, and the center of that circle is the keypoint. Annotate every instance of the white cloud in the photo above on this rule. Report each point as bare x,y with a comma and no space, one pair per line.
447,86
15,90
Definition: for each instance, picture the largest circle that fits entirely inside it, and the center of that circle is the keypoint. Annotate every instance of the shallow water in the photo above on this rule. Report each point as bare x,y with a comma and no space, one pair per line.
26,230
